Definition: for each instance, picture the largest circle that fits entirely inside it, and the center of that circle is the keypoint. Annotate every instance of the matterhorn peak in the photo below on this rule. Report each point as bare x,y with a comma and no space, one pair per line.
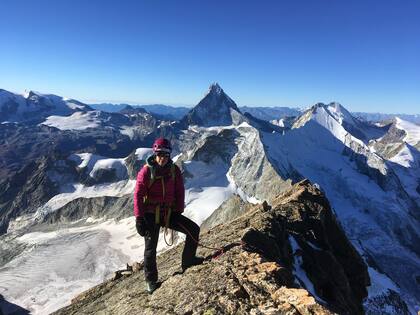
215,109
215,89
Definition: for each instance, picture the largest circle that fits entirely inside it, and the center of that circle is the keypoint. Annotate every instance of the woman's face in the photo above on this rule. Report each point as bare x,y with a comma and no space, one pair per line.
162,158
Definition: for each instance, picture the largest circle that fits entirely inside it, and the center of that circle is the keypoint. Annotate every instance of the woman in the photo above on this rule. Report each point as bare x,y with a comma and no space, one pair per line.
159,202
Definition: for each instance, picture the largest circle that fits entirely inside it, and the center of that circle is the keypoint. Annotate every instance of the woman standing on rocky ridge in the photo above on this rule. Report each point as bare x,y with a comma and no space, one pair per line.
159,202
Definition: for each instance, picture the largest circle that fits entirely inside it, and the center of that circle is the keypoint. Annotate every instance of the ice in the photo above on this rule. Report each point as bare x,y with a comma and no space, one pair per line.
404,157
117,164
77,121
143,153
116,189
200,203
60,264
412,130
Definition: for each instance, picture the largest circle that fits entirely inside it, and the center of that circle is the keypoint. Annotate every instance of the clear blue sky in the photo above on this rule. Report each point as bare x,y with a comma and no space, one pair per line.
364,54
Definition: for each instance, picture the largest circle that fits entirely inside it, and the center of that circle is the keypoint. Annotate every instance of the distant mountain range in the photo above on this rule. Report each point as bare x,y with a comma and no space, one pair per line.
67,175
261,112
377,117
31,105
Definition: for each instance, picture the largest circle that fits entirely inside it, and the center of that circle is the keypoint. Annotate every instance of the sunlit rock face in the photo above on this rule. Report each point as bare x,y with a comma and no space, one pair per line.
290,258
215,109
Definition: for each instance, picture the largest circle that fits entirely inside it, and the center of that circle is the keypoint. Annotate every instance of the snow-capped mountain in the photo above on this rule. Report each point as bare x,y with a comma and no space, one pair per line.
400,147
215,109
82,195
33,105
333,115
372,204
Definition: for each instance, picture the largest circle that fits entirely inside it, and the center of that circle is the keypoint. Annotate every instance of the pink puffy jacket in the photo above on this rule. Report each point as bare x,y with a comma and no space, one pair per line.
174,191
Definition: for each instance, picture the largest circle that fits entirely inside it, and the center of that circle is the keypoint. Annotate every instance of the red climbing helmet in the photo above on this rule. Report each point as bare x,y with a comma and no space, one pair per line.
162,145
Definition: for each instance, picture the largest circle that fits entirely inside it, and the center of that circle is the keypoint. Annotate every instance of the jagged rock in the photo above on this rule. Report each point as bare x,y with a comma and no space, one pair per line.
328,256
116,276
391,143
257,272
133,165
22,194
137,266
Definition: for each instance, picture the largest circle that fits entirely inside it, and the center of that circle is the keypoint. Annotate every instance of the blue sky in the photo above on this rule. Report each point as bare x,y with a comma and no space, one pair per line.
364,54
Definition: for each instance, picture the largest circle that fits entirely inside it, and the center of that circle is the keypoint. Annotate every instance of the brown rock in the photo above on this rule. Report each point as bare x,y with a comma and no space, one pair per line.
254,275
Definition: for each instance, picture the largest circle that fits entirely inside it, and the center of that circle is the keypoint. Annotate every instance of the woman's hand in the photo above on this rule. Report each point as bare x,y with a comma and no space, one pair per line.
141,226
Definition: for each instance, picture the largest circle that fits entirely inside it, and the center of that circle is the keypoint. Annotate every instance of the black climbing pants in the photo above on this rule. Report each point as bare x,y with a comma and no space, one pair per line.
179,223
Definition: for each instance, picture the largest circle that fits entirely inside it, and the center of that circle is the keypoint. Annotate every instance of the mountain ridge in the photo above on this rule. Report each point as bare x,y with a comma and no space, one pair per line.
257,271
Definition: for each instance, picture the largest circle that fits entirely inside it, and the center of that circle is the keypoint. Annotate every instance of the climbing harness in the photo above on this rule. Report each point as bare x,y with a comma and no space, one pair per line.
167,211
167,208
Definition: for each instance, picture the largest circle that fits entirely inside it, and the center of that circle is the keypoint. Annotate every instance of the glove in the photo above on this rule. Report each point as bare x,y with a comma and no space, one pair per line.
141,226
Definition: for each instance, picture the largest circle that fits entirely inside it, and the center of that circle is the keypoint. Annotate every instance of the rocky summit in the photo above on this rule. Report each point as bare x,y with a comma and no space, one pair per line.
290,257
215,109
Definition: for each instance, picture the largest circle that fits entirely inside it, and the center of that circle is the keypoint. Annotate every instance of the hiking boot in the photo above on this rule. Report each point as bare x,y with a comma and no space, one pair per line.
151,286
194,262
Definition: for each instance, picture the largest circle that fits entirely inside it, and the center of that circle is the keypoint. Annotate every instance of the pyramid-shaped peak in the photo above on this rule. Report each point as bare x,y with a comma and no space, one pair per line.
215,109
215,89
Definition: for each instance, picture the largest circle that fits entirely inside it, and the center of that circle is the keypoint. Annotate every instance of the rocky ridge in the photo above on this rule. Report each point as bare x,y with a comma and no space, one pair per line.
268,256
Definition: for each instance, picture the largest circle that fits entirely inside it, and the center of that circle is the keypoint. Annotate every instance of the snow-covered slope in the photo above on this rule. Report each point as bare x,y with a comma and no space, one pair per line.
327,114
34,105
368,198
412,132
406,164
55,265
400,147
76,121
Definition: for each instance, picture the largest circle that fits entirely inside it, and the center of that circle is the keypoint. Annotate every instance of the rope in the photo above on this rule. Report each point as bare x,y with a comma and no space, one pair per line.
219,251
172,236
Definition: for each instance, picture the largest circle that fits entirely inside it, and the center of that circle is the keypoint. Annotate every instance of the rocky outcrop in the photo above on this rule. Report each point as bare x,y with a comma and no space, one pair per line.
133,165
391,143
268,255
253,172
98,207
28,189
